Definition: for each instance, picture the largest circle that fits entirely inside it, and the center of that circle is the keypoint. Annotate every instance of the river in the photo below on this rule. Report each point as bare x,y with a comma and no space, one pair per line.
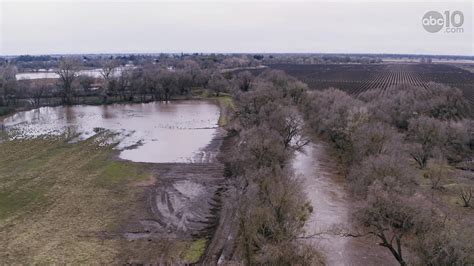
326,190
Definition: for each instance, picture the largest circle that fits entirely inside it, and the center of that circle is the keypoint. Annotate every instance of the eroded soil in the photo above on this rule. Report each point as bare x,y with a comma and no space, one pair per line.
183,203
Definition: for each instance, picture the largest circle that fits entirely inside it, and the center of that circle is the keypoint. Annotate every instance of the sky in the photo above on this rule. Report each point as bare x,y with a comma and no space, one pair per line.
347,26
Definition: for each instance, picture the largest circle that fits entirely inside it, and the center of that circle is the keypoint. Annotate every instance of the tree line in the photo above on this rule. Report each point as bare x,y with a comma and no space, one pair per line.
148,82
273,209
133,78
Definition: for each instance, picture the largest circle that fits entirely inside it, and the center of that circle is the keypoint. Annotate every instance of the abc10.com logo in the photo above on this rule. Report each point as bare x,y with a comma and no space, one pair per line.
434,21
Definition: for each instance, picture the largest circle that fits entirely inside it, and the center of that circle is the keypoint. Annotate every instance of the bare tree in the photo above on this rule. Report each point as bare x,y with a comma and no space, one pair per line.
333,113
169,83
289,124
437,243
39,93
8,84
390,218
108,72
261,147
108,68
398,104
123,84
437,171
374,138
272,216
68,72
274,209
244,80
192,68
430,135
392,171
218,83
85,82
297,91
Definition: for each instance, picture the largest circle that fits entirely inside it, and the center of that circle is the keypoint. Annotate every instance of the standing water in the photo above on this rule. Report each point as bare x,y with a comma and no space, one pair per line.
50,74
156,132
331,207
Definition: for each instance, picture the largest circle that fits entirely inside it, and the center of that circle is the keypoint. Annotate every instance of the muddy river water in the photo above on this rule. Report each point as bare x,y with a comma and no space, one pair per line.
332,207
156,132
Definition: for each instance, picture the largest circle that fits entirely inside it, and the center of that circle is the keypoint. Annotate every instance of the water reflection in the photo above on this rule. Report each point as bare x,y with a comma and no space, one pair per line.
94,73
165,132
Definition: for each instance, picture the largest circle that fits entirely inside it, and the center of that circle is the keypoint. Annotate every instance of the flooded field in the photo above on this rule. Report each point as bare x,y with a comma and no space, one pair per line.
332,208
156,132
50,74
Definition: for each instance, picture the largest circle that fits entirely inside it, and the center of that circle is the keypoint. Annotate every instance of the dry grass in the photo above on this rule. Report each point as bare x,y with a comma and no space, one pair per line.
64,203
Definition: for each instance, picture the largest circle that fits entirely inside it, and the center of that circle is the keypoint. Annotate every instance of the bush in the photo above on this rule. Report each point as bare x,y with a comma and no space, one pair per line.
375,138
392,171
333,113
398,104
433,137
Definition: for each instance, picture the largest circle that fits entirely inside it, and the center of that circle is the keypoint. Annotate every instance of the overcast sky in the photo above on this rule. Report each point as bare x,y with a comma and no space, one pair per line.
45,27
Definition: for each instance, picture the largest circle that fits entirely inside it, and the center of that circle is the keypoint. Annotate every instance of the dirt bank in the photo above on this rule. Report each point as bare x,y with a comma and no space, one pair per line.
184,200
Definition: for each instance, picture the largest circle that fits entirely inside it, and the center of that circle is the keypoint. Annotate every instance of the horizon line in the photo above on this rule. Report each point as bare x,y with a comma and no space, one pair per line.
235,53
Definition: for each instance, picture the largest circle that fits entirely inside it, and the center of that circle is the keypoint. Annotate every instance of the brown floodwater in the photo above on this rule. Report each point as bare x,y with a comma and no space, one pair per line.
332,207
157,132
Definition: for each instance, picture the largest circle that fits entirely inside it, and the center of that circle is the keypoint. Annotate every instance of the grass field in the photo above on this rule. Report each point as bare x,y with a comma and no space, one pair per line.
64,203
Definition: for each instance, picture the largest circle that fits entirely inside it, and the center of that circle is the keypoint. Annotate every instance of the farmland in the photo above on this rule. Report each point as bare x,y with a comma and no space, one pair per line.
355,78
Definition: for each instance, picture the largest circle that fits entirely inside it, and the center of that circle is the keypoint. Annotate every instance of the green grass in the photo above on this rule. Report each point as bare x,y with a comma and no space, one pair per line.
13,201
195,251
55,196
114,172
227,105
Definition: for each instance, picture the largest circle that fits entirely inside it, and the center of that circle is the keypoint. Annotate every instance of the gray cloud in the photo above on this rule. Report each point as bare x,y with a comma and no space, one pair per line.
337,27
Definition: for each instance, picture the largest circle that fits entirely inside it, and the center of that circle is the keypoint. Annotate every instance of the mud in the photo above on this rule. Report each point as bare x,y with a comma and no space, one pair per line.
183,203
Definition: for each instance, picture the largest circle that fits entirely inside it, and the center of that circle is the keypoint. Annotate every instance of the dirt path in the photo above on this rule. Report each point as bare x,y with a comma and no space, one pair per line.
332,204
222,243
